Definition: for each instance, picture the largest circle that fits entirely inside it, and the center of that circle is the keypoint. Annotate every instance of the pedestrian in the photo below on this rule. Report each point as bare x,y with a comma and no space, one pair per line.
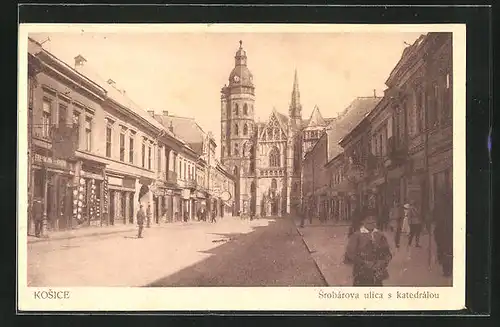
397,216
355,222
384,217
443,232
140,220
37,211
302,217
369,253
213,217
415,221
148,215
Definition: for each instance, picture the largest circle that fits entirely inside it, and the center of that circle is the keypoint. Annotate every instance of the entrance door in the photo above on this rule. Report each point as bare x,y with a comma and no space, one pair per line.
131,208
112,207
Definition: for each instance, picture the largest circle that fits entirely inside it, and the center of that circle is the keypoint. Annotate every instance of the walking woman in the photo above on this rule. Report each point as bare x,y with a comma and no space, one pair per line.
369,253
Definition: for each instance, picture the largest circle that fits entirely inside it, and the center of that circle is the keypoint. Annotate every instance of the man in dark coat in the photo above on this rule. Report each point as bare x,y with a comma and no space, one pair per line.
140,220
369,253
415,221
37,211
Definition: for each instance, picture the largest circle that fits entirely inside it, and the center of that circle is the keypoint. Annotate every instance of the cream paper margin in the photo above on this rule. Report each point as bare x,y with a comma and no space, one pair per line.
246,298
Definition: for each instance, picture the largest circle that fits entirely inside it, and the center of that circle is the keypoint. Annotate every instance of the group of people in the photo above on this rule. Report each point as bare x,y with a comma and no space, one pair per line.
368,249
202,215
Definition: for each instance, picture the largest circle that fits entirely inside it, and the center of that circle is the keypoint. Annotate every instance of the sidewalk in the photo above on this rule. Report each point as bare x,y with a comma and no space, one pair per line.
318,223
408,267
93,231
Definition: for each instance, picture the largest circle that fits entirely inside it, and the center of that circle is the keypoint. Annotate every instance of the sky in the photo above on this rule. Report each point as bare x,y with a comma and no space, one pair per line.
183,73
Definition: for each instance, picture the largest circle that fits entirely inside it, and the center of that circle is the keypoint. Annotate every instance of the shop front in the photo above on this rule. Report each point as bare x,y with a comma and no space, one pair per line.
186,204
53,184
121,193
89,194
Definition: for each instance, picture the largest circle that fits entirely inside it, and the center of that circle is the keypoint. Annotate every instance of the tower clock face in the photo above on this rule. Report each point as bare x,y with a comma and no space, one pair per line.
236,78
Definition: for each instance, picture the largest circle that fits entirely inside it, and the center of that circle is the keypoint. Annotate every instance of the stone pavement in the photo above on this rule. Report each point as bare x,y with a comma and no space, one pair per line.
409,266
231,252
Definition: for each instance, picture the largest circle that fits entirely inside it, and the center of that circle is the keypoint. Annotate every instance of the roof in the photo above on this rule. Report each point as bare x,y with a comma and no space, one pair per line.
185,128
282,118
316,118
350,118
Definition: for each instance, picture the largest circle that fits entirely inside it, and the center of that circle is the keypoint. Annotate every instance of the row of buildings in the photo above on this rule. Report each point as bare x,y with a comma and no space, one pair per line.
389,149
94,155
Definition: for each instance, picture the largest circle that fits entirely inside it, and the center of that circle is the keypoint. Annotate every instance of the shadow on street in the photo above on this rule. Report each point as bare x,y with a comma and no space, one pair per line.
273,255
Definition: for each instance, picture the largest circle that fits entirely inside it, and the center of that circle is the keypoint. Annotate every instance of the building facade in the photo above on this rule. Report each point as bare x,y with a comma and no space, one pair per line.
95,155
265,156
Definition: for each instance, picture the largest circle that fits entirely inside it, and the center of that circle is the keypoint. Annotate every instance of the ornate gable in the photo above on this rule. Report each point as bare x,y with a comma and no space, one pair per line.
275,129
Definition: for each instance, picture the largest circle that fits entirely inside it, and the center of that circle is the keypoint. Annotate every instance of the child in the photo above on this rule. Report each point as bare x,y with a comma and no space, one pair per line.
369,252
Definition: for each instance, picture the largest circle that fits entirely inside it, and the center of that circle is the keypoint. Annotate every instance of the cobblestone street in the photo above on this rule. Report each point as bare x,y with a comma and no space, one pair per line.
232,252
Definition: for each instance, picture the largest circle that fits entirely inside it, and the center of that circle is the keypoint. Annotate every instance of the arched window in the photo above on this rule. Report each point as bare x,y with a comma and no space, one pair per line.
274,184
236,130
274,157
245,109
245,129
252,159
235,109
236,149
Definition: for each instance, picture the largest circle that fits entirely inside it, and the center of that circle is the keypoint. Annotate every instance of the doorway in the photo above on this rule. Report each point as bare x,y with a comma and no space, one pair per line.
112,207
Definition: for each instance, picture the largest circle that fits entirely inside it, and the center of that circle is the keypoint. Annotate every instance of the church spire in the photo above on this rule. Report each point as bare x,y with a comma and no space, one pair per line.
295,110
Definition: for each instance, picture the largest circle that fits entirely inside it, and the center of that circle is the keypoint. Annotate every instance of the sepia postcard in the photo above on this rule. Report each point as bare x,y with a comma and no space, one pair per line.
241,167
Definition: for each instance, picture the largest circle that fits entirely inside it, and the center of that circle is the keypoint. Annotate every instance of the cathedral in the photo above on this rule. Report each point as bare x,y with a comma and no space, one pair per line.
265,157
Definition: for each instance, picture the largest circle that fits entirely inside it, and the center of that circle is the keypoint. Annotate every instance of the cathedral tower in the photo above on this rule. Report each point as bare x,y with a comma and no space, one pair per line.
295,109
238,127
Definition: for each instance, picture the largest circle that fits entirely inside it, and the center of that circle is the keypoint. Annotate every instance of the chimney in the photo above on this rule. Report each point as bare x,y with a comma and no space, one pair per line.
171,127
165,113
151,113
79,61
111,82
374,93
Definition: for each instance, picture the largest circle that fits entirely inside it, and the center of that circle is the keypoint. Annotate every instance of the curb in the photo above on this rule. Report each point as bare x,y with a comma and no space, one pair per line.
48,239
310,252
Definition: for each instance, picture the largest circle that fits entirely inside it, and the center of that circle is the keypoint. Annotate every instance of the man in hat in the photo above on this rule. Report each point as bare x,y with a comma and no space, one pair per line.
37,212
415,222
140,220
368,251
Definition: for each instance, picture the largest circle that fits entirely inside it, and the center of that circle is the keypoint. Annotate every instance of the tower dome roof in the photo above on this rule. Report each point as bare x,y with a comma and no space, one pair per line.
240,75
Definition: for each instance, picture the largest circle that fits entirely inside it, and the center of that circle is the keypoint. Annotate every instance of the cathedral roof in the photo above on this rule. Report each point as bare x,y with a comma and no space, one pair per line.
347,121
316,118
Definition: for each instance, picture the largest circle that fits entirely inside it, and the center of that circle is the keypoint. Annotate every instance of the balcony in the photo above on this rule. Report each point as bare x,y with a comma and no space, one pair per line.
171,178
191,183
272,172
